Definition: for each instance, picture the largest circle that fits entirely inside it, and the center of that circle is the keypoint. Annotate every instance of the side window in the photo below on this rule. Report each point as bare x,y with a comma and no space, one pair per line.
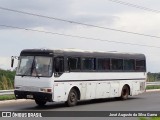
129,64
140,64
59,64
103,64
74,63
117,64
88,63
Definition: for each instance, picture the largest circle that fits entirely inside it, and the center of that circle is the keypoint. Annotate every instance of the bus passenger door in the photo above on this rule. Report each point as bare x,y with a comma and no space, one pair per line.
59,87
59,66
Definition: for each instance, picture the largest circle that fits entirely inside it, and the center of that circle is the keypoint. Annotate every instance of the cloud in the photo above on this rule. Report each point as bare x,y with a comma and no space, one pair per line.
4,62
64,9
138,22
101,13
53,8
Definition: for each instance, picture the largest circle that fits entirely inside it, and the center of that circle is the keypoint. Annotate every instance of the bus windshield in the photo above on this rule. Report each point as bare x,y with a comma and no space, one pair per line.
39,66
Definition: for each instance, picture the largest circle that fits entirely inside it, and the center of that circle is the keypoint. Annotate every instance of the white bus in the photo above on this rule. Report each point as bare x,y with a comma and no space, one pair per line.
71,75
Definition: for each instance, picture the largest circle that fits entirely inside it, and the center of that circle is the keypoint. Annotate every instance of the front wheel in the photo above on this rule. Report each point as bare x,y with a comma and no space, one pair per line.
72,98
124,93
40,102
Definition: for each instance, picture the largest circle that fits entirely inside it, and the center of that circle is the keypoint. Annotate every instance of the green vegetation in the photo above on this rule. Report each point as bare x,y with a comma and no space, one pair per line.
152,118
7,97
153,87
142,118
6,79
152,77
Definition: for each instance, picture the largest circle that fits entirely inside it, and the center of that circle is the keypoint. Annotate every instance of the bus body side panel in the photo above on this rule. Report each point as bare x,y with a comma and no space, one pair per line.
137,85
98,85
62,89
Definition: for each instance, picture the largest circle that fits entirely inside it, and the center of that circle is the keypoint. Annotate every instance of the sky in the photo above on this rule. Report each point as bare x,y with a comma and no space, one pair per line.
96,12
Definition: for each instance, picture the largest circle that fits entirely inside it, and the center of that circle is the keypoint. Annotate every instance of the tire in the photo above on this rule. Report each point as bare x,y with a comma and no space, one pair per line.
40,102
124,93
72,98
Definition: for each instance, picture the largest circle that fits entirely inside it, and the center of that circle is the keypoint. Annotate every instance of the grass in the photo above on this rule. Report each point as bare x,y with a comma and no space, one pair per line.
152,118
6,79
6,97
5,83
153,87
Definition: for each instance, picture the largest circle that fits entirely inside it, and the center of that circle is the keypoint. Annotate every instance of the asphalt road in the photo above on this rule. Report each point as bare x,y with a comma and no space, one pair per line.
149,101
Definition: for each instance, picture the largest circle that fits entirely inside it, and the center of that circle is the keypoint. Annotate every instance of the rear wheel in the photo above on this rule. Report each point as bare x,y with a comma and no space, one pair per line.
72,98
124,93
40,102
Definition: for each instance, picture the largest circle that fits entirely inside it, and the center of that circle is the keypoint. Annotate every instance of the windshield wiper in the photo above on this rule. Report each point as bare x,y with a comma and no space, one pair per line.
35,70
28,70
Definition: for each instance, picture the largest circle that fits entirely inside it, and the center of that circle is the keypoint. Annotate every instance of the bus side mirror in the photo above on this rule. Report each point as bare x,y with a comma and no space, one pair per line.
12,61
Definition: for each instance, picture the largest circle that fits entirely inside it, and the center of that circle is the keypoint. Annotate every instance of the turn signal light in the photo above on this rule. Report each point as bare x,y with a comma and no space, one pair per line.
49,90
46,90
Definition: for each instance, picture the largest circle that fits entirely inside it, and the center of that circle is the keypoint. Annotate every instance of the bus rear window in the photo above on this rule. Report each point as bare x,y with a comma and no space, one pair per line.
140,65
129,64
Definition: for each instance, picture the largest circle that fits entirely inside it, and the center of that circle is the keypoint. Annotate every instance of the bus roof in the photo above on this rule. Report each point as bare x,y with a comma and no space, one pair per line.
81,53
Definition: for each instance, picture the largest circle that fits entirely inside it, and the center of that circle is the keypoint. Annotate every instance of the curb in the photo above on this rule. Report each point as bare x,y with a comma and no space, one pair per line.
153,90
14,101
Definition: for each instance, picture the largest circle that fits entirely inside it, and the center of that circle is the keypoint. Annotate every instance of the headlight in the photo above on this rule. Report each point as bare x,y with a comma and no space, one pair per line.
17,88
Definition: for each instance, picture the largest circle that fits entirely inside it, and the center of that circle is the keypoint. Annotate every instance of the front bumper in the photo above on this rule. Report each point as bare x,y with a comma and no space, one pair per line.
36,95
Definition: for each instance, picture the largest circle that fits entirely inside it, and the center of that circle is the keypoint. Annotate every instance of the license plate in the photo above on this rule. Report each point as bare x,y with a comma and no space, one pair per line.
29,96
